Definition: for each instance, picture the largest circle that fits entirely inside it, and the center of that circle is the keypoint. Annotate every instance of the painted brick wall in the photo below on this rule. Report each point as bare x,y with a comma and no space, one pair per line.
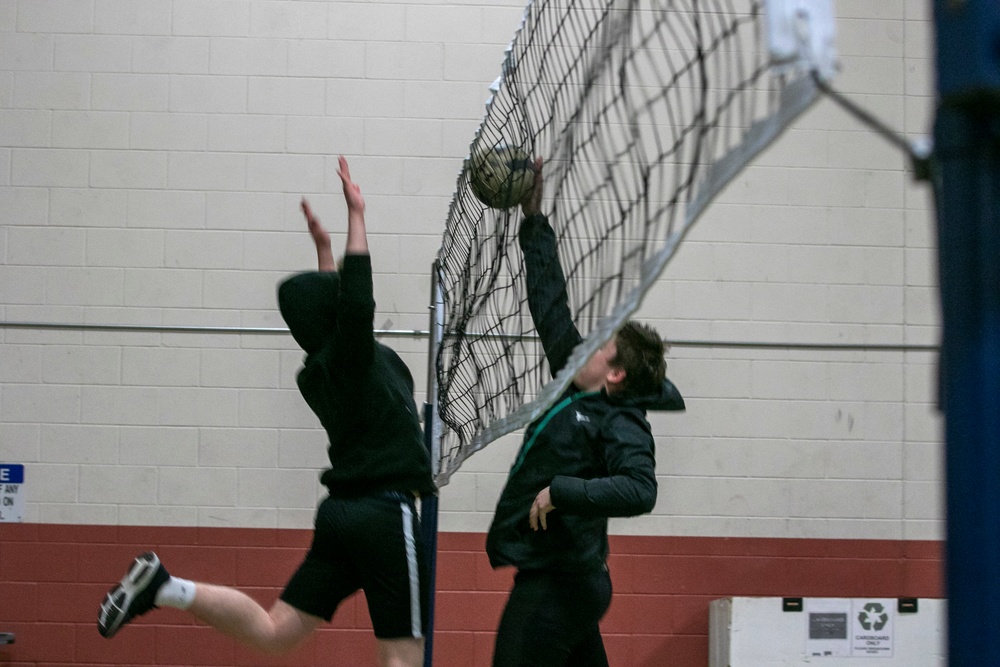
52,578
152,154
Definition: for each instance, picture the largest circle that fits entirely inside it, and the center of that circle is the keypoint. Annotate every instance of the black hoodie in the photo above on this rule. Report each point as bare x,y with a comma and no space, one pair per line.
361,390
595,452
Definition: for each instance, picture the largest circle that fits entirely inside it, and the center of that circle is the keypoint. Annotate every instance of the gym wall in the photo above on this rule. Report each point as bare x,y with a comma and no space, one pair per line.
152,157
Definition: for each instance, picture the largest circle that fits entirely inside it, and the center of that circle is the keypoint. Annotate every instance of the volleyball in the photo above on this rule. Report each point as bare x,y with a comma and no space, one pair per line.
501,176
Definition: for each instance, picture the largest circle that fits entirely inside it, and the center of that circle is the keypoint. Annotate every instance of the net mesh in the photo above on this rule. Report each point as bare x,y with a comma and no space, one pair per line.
642,111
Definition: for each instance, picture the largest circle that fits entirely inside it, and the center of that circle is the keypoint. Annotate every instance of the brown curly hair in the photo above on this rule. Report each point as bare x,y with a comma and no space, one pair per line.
640,353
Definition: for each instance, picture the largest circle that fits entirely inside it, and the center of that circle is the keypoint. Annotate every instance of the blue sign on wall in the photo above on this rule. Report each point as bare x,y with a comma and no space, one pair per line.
11,473
11,492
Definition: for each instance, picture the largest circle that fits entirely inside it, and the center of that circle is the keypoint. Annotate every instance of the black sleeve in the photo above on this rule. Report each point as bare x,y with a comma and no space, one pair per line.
630,487
547,297
356,312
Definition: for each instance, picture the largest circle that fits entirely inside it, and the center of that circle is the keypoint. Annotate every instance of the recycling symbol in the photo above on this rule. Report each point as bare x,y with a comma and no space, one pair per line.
873,616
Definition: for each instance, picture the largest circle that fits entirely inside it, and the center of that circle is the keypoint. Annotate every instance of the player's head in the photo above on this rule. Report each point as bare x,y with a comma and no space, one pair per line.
631,362
308,303
639,353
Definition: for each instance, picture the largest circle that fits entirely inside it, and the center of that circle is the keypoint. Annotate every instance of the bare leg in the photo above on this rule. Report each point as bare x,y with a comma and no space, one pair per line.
237,615
405,652
280,630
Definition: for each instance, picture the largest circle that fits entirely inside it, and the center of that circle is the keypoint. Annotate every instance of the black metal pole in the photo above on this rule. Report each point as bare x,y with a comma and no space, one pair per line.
429,505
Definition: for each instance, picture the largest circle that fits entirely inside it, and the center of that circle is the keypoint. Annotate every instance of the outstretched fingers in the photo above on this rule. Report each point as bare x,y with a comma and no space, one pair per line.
320,237
343,169
307,211
352,191
316,229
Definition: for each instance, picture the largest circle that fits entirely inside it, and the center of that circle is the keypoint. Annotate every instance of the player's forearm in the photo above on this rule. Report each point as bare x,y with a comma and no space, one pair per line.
357,234
619,495
324,258
548,300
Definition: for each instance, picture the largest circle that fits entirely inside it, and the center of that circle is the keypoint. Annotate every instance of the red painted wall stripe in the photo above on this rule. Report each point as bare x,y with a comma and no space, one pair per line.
52,578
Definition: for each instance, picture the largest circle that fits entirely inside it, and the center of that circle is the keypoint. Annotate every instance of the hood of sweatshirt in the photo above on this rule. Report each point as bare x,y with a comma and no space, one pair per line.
308,304
668,398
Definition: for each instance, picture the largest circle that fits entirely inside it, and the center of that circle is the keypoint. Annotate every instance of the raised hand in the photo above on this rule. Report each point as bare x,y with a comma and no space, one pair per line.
320,237
357,236
352,191
319,234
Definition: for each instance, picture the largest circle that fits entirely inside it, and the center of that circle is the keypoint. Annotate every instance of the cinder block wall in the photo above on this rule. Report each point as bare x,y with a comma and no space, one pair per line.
152,156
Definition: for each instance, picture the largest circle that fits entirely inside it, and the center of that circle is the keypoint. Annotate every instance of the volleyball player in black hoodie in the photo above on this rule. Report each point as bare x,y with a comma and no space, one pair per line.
589,457
366,531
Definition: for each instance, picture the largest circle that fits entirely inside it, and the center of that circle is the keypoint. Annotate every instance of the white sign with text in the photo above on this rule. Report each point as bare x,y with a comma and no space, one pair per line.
11,493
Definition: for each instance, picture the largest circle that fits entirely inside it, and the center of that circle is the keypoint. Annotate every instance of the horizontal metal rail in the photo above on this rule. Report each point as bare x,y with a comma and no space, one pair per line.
420,333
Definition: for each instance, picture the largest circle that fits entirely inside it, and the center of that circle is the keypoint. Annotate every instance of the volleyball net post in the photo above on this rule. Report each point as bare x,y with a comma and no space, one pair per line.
432,439
967,189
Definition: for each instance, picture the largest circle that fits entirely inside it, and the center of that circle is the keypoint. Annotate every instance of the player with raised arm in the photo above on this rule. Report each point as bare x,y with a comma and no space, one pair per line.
366,532
588,458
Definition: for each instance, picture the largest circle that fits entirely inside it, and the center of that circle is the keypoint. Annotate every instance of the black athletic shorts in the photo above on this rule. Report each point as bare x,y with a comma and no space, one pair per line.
370,543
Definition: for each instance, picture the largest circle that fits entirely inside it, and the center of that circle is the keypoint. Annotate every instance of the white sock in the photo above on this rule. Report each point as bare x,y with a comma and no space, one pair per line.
175,592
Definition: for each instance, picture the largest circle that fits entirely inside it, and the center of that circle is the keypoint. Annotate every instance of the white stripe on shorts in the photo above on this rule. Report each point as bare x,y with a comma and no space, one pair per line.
411,563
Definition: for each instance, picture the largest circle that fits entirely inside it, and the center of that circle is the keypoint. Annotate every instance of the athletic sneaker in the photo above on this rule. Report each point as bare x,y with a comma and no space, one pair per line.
133,596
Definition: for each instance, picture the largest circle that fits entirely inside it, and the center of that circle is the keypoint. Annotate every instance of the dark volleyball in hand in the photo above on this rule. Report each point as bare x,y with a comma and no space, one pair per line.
501,176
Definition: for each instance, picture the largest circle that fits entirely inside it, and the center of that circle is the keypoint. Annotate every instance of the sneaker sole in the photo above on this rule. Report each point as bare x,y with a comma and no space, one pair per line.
114,609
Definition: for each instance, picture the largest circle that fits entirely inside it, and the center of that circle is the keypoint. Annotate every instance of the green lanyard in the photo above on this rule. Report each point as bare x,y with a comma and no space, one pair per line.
548,417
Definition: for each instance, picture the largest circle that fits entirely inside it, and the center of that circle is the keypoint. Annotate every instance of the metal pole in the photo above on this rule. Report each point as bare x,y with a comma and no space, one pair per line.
967,179
429,505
